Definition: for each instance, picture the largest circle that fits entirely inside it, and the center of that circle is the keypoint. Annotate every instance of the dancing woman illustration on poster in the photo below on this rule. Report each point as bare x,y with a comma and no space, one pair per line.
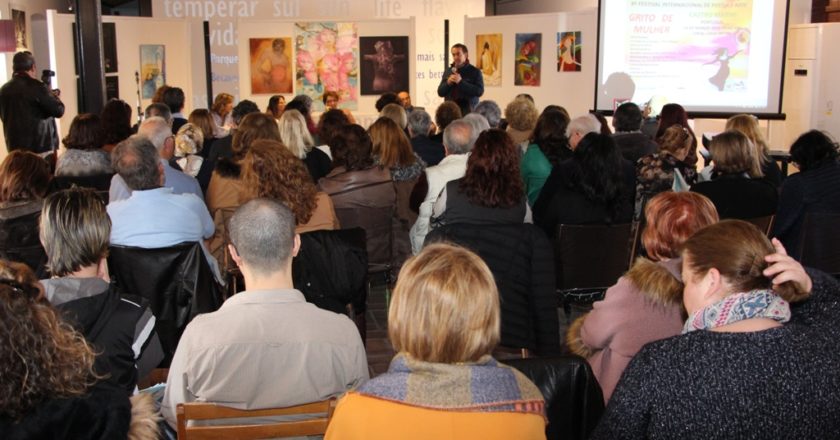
721,56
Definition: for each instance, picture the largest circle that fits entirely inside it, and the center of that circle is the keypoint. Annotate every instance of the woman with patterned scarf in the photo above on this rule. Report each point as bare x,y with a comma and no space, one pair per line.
443,383
745,366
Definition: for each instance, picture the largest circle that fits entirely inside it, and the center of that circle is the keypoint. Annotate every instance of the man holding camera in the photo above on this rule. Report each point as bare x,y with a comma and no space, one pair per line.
27,108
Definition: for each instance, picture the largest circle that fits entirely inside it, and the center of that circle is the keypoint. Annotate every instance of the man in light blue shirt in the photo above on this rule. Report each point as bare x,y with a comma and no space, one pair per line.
154,216
159,133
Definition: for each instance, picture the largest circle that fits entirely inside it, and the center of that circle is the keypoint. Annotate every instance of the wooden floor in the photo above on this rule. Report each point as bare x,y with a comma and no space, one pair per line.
379,350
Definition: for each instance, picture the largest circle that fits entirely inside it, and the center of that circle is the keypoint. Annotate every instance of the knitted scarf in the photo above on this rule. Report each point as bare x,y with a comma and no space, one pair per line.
738,307
482,386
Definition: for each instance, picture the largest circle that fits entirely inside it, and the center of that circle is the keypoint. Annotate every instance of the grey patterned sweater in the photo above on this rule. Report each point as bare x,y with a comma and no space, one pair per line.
782,383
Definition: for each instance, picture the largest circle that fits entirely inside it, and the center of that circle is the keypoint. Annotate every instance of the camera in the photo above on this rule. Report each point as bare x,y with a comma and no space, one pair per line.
46,76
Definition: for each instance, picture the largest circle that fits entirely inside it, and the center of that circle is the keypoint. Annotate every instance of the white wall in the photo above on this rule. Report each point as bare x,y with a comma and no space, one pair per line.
572,90
131,33
543,6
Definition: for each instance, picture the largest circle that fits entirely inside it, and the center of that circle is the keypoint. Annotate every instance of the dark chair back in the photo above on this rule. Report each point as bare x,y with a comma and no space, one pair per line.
764,224
590,258
519,255
819,246
19,241
573,399
99,182
177,281
331,269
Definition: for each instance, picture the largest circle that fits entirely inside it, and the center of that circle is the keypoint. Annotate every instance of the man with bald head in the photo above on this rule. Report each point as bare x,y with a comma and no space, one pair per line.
265,347
159,132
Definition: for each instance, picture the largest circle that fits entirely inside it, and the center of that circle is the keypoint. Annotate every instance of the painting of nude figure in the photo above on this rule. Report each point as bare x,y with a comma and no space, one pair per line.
384,64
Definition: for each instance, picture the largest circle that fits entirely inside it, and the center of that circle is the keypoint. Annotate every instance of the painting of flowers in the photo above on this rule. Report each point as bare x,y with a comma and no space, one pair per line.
326,57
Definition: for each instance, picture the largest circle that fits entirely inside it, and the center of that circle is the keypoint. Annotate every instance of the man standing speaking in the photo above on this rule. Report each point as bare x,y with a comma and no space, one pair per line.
462,83
27,108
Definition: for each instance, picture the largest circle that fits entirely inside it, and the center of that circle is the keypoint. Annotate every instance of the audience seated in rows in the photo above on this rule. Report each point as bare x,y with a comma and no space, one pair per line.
392,150
223,147
226,190
446,113
84,155
814,189
274,349
675,114
736,187
419,125
116,123
729,374
458,140
75,232
748,125
24,180
296,138
491,111
521,116
154,216
491,191
666,169
271,171
645,305
158,132
49,388
444,323
363,193
627,122
595,186
549,146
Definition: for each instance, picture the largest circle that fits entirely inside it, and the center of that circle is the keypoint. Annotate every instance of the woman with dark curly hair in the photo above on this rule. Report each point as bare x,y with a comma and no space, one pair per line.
116,123
226,190
595,187
363,193
491,191
84,155
272,171
549,146
330,123
47,384
813,189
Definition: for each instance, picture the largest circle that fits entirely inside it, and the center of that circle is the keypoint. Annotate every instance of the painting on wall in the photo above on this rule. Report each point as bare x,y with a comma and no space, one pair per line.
271,70
19,18
569,48
489,61
152,68
384,64
325,60
527,65
109,46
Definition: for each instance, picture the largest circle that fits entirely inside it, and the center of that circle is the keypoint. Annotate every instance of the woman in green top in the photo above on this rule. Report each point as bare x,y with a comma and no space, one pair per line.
549,146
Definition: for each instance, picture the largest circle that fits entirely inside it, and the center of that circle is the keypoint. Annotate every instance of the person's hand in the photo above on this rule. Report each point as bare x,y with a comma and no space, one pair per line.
455,78
783,268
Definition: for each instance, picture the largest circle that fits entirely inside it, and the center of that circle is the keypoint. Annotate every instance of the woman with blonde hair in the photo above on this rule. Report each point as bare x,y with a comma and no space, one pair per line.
48,388
521,116
733,190
444,322
748,125
747,364
645,304
297,139
271,171
221,113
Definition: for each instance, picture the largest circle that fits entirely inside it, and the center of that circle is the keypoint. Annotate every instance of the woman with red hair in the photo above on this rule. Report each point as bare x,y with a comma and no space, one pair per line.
646,303
491,191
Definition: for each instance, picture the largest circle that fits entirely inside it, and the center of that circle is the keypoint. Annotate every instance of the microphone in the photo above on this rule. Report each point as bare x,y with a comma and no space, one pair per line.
453,68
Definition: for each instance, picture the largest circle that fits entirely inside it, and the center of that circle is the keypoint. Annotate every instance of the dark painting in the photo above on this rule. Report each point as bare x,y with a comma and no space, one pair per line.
384,64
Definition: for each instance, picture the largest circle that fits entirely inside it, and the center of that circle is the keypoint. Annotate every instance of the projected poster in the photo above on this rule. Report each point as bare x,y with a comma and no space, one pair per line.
271,70
528,47
696,53
489,47
325,57
569,48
